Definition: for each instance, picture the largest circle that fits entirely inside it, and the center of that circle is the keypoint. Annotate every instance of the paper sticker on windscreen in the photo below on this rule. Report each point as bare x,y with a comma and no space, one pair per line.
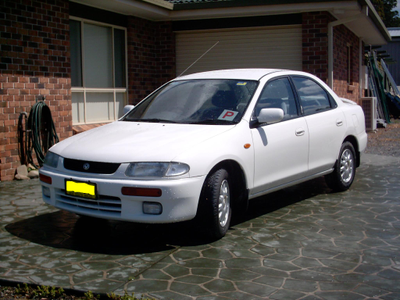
228,115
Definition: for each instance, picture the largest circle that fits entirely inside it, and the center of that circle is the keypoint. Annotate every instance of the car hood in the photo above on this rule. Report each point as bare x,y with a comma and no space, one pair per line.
132,141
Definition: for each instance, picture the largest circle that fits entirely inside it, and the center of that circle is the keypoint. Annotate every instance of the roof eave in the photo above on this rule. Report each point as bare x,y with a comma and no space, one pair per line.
376,19
372,31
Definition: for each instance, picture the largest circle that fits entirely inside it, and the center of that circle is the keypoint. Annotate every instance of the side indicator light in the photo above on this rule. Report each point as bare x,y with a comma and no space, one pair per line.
143,192
45,179
247,146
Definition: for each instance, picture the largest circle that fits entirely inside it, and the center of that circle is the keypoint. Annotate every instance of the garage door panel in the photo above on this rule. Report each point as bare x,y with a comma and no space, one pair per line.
251,48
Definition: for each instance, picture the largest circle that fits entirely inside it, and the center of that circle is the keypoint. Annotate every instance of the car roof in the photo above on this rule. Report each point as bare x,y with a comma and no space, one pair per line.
241,74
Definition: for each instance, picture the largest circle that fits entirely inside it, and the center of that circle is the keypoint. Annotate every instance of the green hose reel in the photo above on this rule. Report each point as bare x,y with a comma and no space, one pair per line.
39,133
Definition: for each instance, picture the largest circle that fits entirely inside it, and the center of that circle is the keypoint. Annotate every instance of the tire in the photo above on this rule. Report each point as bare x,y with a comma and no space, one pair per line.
345,169
215,203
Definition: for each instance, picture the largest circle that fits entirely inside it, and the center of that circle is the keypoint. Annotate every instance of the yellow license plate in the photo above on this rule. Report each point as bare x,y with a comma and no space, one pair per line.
81,189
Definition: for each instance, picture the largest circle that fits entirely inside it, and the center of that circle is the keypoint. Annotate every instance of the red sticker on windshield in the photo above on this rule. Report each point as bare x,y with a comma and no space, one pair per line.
228,115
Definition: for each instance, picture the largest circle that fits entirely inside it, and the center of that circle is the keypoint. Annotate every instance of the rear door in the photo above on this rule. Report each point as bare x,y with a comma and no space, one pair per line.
325,123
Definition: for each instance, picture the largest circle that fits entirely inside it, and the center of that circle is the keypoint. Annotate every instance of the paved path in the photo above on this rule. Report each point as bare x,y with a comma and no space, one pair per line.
300,243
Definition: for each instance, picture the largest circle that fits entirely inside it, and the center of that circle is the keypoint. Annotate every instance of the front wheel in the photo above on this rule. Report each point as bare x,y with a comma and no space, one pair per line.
345,169
215,203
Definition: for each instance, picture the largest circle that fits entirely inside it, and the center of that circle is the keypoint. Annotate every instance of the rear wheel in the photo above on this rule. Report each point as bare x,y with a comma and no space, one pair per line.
215,203
345,169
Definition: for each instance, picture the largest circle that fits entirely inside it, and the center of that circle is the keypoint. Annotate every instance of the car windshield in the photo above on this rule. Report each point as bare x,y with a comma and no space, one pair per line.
205,101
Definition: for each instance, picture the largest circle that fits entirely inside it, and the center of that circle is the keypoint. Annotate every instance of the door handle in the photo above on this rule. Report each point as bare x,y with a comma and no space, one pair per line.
300,132
339,122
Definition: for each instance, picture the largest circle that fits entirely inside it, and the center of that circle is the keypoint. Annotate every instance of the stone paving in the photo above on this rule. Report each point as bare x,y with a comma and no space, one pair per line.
300,243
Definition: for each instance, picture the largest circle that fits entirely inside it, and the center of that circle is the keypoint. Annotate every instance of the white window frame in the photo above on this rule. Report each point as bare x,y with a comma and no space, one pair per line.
114,90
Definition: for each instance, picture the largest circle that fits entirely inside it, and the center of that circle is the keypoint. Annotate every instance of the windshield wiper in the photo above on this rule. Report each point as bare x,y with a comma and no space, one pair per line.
153,120
156,120
212,122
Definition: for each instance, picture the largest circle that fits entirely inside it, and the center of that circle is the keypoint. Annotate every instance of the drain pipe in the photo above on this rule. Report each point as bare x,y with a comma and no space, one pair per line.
330,40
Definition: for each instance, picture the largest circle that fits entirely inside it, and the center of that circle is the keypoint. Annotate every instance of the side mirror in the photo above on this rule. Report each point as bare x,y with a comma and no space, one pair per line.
270,115
127,108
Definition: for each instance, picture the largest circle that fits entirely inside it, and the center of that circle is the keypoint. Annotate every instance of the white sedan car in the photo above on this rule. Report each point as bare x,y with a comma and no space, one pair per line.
203,145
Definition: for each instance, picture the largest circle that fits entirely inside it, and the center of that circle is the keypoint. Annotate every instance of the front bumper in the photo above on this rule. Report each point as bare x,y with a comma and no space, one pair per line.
179,198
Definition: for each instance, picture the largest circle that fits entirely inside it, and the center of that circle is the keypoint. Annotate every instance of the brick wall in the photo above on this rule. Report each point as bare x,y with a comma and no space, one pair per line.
315,53
34,39
315,43
342,37
151,56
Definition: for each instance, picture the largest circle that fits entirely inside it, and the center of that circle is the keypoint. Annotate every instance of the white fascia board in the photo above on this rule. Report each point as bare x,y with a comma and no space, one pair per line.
262,10
159,10
147,10
161,3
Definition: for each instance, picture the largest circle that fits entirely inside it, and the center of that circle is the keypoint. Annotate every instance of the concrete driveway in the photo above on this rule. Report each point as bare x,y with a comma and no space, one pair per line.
300,243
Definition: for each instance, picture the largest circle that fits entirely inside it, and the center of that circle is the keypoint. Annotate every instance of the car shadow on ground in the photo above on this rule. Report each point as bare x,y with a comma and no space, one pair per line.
62,229
282,198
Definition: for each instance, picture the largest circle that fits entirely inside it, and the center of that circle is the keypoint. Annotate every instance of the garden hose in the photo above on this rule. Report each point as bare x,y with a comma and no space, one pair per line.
22,143
40,134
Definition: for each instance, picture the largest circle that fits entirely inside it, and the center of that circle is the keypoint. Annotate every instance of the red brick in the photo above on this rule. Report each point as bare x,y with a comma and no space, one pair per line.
8,85
6,154
9,110
10,148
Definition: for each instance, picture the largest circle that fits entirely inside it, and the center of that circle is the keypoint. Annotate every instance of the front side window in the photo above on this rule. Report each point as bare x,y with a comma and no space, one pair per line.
98,71
313,98
208,101
278,94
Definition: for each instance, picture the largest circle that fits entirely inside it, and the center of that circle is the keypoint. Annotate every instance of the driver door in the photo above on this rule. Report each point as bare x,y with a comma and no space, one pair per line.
280,149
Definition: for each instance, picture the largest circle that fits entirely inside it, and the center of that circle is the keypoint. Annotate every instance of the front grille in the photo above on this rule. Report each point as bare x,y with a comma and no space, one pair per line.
90,166
104,204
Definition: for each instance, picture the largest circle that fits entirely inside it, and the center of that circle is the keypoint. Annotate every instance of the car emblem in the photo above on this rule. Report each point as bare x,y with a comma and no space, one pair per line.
86,166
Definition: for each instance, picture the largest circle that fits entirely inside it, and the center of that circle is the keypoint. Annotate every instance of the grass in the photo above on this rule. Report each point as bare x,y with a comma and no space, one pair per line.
46,293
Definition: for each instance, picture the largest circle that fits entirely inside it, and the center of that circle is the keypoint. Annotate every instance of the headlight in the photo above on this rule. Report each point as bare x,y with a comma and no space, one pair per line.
51,159
156,169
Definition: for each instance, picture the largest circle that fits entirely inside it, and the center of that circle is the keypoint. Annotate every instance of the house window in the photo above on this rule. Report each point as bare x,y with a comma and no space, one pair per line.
98,71
349,65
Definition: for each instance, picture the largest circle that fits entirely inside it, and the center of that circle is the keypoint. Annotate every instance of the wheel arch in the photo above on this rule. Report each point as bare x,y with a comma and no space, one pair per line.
239,183
352,139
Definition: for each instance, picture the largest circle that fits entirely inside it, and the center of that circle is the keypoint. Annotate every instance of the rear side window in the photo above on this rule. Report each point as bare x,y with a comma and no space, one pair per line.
313,98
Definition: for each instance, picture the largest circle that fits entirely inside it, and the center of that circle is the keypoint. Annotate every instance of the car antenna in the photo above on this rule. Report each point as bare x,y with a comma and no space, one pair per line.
199,58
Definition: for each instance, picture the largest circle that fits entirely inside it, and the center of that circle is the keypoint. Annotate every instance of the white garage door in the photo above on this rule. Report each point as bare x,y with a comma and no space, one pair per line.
272,47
